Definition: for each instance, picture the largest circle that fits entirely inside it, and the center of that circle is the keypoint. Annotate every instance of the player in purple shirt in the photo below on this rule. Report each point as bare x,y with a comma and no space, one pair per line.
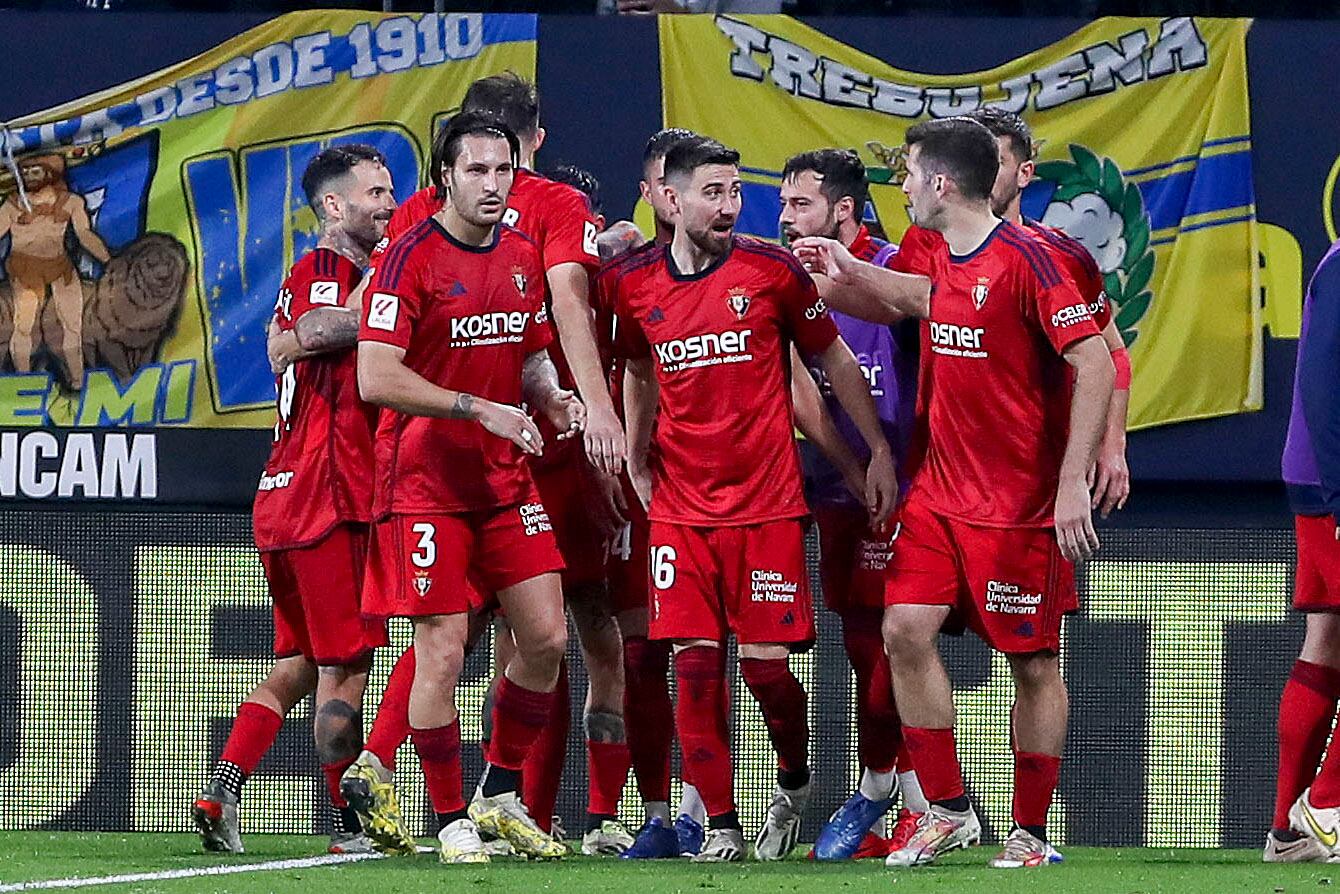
824,194
1306,826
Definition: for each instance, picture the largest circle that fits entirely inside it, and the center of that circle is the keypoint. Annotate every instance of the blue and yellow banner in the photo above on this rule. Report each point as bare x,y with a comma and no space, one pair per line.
145,230
1145,157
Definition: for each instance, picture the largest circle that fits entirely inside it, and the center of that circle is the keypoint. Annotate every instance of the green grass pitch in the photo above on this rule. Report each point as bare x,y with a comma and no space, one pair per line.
36,856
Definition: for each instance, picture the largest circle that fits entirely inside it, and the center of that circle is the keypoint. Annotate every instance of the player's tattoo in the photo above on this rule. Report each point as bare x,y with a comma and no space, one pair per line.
327,329
603,726
463,407
339,731
539,379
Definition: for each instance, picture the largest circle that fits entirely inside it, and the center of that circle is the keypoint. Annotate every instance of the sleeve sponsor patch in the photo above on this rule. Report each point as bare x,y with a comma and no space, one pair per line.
589,239
383,312
324,292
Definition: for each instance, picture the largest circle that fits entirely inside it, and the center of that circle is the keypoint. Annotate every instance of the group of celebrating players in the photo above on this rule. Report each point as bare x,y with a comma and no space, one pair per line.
493,410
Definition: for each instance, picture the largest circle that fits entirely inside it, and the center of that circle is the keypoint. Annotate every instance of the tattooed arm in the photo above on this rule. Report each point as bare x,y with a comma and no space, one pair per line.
540,390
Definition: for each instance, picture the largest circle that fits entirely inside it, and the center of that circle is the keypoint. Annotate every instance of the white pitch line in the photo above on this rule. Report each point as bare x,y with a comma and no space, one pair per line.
304,863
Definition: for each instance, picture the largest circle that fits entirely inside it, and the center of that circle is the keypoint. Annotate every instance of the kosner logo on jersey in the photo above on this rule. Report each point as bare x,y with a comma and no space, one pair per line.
488,328
708,349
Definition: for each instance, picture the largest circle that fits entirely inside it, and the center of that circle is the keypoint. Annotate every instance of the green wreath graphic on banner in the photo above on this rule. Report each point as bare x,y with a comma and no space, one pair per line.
1095,205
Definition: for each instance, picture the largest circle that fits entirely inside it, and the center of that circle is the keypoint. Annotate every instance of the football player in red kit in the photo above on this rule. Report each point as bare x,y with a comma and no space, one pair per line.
453,341
999,507
580,494
313,504
1111,476
706,324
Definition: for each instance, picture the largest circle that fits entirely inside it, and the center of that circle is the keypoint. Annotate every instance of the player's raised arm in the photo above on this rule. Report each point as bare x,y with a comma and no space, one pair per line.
1094,377
861,289
640,395
818,427
1111,475
569,285
853,393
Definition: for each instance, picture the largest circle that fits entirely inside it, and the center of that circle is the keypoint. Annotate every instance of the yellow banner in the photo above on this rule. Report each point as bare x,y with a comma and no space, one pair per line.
1145,157
145,230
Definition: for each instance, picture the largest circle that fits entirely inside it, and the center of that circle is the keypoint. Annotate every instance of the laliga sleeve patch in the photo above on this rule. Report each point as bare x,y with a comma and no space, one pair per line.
324,292
589,239
383,312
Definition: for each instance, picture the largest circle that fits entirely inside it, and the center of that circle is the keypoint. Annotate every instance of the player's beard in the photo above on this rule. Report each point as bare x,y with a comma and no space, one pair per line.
366,228
710,241
1000,206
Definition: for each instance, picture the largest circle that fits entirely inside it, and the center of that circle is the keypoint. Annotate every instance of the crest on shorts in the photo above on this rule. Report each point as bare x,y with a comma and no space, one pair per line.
422,583
979,292
519,279
738,301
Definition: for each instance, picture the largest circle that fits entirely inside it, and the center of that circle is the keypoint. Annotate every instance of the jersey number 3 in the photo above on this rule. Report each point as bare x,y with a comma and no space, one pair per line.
425,552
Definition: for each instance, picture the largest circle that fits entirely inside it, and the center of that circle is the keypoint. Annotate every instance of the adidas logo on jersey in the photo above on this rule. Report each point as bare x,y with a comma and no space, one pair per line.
708,349
478,327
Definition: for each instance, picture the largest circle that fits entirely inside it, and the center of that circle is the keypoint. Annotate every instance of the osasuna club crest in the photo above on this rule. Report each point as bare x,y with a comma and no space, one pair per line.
979,292
519,279
422,583
738,301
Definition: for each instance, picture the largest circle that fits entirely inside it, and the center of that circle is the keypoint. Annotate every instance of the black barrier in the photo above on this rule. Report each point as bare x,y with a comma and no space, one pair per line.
126,640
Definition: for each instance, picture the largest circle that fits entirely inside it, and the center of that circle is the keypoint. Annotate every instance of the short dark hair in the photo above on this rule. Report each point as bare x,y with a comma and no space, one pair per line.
840,171
508,96
1007,124
331,164
690,153
661,142
447,142
582,180
960,148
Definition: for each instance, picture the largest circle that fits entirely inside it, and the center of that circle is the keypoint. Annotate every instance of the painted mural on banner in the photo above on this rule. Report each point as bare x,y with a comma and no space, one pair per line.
145,230
1145,157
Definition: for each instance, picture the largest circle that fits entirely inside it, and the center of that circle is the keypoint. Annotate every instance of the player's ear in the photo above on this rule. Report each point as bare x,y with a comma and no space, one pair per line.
333,206
1026,170
540,134
846,209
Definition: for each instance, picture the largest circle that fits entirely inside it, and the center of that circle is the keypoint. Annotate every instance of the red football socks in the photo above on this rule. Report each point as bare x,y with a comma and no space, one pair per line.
439,750
519,714
649,714
542,772
390,728
936,758
1035,778
785,707
253,733
703,735
1307,714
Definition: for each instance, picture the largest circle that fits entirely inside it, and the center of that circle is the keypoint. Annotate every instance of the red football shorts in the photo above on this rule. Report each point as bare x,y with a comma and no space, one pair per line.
316,593
450,563
853,560
1009,585
562,488
749,580
627,565
1316,585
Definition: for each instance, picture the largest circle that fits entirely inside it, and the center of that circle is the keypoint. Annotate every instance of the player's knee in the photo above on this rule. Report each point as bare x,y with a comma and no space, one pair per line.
547,647
1321,642
905,638
1037,672
290,681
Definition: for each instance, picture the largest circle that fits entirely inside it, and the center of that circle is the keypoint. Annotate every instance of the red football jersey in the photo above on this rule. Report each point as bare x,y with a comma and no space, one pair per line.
995,389
1075,260
413,211
316,476
724,451
467,317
